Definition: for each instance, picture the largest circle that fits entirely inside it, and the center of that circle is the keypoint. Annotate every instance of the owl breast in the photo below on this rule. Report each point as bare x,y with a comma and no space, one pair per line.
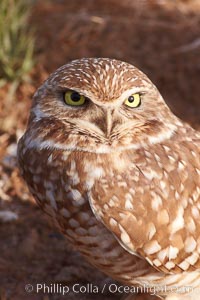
129,190
57,185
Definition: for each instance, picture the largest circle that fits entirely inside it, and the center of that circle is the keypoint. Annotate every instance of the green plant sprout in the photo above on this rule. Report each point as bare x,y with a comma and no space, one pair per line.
16,42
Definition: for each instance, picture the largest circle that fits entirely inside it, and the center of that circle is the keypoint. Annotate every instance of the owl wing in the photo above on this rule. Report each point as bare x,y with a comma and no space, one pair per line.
153,206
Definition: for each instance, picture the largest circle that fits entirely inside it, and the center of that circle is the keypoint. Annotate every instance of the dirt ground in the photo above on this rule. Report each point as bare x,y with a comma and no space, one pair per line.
160,37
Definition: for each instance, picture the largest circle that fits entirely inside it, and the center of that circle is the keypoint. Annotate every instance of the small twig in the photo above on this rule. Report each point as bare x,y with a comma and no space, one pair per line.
188,47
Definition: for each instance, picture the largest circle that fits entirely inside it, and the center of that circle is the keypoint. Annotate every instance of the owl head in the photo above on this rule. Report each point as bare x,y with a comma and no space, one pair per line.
99,105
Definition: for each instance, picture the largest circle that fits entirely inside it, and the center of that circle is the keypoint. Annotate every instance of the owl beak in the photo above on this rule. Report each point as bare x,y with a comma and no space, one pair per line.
105,122
109,113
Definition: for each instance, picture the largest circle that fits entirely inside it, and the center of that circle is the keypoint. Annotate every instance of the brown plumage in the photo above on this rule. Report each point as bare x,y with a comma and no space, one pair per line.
121,181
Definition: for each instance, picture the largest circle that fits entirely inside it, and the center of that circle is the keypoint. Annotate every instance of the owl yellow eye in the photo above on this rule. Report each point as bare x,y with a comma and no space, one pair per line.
133,101
74,98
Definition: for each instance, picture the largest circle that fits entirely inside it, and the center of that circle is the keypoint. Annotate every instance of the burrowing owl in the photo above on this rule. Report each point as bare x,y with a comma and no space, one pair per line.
104,156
